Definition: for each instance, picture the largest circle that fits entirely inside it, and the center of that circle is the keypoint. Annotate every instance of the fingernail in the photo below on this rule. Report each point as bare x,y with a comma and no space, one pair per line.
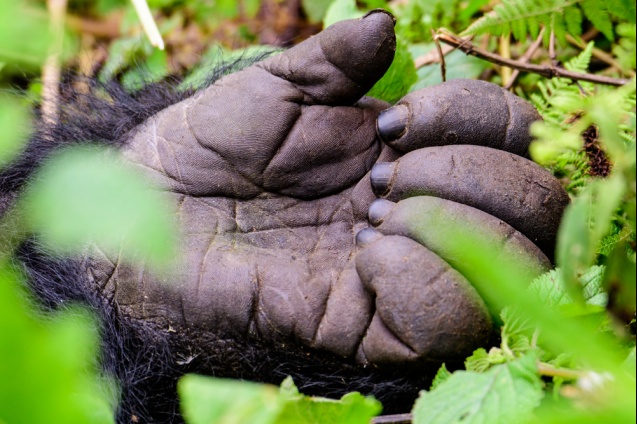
381,177
392,122
378,210
372,12
367,236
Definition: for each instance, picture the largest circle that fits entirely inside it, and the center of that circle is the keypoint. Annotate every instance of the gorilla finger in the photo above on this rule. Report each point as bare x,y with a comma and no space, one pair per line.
464,237
341,64
459,112
424,309
504,185
328,149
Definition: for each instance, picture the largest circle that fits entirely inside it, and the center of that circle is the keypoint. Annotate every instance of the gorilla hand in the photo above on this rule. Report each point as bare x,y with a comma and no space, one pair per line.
269,168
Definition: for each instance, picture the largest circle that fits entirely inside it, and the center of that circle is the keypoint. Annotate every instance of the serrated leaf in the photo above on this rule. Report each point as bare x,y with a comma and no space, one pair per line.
481,360
441,375
549,287
206,400
507,393
399,78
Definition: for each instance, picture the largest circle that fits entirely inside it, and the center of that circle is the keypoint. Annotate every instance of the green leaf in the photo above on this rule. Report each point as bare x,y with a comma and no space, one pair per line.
481,360
441,375
352,408
14,121
549,287
47,368
507,393
630,364
24,33
315,10
87,195
399,78
207,400
152,70
339,10
585,222
596,12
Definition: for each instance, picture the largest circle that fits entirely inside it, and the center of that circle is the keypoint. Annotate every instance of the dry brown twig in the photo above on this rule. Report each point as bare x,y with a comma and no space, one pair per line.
441,57
51,69
550,71
526,58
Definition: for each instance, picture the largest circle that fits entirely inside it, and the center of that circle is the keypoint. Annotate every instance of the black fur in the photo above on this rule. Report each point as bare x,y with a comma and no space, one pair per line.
147,361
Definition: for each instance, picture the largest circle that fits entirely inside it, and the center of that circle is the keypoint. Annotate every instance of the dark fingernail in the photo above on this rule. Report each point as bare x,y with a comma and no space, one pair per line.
381,177
378,210
392,122
367,236
372,12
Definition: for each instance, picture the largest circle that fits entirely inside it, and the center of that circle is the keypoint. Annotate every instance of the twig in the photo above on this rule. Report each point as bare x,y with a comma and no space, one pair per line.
525,58
552,54
393,419
51,69
443,65
546,71
432,56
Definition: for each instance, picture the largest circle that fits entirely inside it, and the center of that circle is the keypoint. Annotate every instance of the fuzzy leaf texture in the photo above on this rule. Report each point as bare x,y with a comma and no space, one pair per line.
507,393
550,287
524,17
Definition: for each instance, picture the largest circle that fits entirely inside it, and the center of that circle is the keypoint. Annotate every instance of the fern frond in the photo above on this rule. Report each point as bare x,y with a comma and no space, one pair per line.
580,62
523,17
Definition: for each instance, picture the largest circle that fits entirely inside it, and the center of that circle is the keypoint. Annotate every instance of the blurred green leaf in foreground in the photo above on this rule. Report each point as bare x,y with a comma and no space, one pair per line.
48,367
211,400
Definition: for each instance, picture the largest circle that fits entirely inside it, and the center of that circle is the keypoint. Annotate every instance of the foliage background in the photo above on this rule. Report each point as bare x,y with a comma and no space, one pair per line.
567,351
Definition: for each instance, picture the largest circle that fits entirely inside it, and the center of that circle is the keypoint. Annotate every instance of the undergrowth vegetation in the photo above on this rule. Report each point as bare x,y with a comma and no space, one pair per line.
567,341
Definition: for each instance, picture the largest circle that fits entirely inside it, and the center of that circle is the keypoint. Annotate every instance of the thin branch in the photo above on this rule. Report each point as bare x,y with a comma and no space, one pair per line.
393,419
526,58
51,69
552,54
432,56
443,65
546,71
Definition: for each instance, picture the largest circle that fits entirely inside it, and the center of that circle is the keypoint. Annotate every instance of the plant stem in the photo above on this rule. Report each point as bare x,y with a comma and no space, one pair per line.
393,419
546,71
550,371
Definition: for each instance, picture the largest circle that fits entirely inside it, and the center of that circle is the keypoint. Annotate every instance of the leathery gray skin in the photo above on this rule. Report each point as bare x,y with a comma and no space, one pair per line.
269,174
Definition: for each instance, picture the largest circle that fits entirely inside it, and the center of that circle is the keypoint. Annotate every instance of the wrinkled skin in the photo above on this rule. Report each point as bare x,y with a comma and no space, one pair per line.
268,170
